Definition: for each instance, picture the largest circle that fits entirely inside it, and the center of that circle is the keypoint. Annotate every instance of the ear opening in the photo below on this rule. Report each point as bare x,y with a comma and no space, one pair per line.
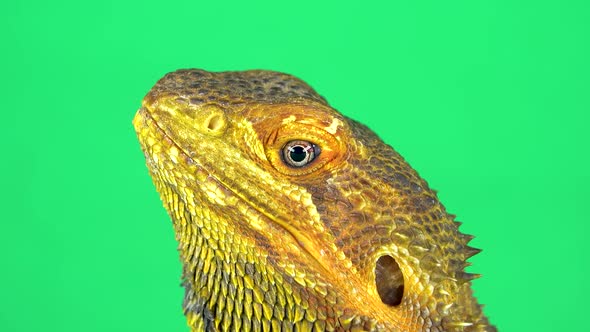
389,280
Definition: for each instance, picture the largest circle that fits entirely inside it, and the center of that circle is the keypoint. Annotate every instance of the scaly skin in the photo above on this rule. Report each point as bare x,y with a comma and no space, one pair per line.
354,240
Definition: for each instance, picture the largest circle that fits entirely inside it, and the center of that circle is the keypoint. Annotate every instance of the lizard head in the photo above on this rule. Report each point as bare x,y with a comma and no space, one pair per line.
289,214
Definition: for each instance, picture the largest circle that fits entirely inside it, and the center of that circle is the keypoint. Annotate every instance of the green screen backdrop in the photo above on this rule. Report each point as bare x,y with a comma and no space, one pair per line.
488,100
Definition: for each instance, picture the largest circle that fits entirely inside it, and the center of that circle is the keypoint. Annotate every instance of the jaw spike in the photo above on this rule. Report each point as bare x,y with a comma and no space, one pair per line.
470,251
466,237
459,324
463,277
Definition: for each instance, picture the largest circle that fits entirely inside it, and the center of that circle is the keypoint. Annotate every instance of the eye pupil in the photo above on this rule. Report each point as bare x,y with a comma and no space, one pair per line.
299,153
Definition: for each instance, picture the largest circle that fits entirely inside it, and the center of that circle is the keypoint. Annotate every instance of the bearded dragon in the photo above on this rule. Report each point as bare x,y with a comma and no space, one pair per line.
292,217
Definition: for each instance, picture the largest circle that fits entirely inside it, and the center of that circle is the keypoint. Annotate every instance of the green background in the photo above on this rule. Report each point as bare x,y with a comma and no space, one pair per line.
488,100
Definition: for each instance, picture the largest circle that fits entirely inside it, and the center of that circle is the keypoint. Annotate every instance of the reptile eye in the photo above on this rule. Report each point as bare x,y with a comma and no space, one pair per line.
300,153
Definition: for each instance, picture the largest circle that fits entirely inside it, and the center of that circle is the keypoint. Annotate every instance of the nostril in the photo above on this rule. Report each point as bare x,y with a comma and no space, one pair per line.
214,122
209,119
389,280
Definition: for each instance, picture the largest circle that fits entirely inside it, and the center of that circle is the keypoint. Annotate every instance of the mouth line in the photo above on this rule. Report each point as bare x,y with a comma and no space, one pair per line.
298,237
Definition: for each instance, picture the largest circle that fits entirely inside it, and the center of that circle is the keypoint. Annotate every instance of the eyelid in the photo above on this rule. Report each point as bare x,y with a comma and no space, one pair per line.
330,149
